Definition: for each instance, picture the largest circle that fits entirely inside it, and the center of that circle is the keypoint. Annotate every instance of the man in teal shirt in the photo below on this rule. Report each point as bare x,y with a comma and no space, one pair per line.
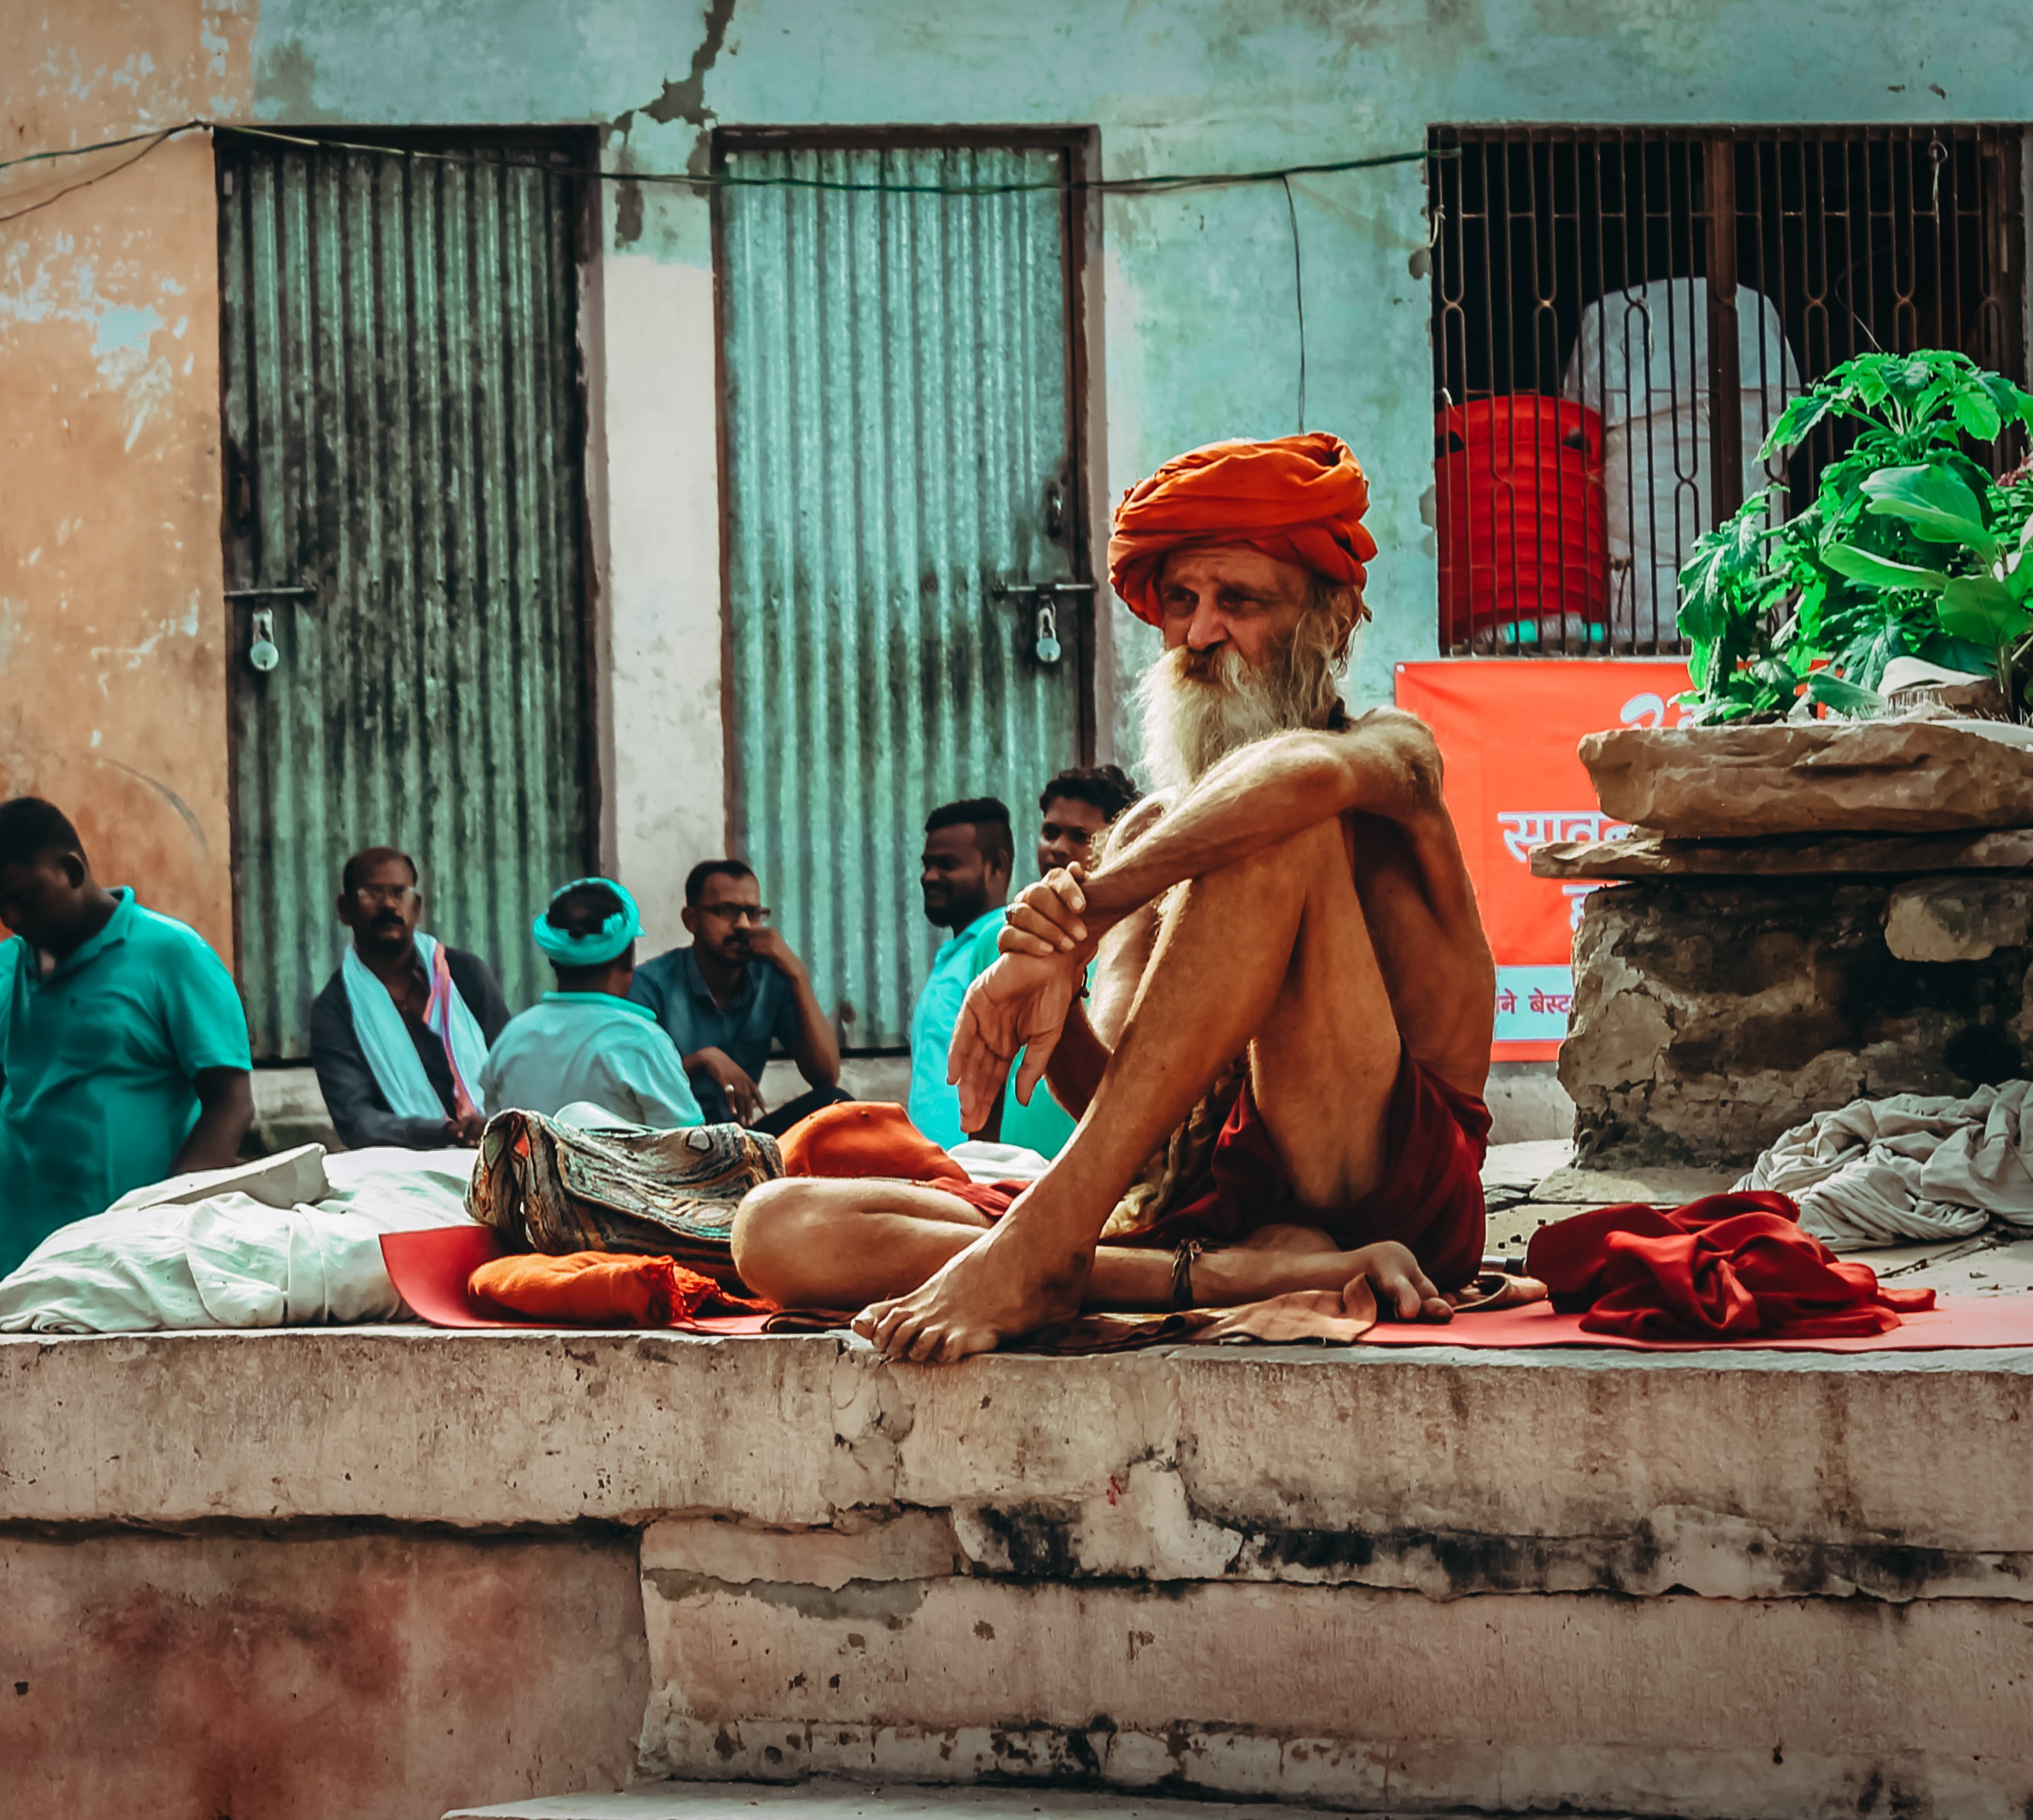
589,1041
123,1045
964,874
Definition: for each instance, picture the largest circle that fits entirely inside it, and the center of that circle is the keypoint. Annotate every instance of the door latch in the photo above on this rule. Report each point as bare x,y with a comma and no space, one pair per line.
262,653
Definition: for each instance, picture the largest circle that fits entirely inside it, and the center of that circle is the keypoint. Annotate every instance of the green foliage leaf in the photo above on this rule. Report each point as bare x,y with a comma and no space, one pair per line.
1977,416
1796,422
1845,697
1875,572
1936,501
1983,610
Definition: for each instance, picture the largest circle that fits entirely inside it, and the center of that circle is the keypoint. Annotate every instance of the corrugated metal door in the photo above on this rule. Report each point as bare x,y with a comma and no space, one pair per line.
900,463
402,439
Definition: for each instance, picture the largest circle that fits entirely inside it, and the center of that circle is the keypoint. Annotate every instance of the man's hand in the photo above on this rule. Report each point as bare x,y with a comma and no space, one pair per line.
744,1098
1403,1289
465,1129
1020,1002
1046,920
767,944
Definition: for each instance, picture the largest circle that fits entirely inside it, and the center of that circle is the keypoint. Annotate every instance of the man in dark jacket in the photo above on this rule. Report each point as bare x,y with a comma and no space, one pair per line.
399,1032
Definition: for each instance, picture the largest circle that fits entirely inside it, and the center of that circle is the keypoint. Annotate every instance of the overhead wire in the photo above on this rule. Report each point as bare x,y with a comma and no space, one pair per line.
1160,183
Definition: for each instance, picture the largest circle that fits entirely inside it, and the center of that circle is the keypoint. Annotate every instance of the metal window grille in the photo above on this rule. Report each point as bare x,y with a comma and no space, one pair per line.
1619,312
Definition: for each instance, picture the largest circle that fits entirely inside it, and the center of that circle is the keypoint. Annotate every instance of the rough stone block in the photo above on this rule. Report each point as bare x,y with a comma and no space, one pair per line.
1642,854
1707,1019
307,1677
1958,919
1815,777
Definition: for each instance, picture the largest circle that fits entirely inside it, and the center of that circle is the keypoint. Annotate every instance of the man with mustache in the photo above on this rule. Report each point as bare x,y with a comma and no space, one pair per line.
399,1032
1279,1074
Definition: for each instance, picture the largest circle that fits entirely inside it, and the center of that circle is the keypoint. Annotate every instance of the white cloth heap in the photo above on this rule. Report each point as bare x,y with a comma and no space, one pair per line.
292,1241
1881,1172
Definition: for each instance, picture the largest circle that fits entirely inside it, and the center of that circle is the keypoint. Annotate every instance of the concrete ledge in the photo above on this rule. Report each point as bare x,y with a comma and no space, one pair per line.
1729,1585
1155,1462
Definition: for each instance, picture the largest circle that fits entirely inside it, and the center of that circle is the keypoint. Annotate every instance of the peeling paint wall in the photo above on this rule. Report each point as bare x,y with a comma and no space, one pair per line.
1197,292
112,631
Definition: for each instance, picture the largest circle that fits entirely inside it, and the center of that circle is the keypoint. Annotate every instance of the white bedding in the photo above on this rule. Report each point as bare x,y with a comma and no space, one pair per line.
293,1240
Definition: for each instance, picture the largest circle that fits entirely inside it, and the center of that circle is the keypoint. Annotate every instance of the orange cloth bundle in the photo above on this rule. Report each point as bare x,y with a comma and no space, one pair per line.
859,1138
1299,498
602,1289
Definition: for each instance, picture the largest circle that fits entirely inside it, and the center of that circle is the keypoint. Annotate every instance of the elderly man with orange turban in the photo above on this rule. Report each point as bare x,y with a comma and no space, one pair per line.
1279,1076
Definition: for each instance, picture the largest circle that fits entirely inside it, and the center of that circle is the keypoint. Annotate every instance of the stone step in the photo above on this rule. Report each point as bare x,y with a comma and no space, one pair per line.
887,1801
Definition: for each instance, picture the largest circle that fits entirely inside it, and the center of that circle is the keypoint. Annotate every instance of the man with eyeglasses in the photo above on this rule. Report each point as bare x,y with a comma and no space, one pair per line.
399,1032
737,990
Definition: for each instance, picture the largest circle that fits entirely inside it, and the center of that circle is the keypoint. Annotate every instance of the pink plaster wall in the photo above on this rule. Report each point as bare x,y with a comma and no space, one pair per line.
380,1677
113,635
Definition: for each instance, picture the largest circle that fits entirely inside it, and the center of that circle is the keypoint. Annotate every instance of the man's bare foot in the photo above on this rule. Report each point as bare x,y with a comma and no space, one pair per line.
1012,1280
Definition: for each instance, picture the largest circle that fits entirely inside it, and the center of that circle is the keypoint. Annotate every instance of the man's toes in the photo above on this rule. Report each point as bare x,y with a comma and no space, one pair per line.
927,1344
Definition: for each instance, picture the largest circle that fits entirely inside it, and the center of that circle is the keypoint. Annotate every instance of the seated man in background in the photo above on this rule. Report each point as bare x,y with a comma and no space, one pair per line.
123,1046
964,873
726,999
1076,806
588,1040
1280,1086
400,1032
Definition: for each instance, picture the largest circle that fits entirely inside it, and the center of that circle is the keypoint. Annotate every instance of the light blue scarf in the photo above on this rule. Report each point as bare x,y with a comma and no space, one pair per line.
399,1070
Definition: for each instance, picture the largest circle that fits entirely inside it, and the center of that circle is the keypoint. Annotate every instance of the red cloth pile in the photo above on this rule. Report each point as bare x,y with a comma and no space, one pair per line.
1729,1266
602,1289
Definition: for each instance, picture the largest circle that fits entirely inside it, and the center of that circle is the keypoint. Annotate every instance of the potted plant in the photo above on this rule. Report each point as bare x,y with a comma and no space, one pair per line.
1909,549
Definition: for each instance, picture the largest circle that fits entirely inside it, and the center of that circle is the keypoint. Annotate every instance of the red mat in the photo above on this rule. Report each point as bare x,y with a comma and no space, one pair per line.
429,1270
1971,1320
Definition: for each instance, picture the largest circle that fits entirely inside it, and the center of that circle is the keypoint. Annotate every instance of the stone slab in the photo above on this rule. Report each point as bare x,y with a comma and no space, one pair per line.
381,1676
1712,1016
1715,1708
1815,777
1152,1463
1644,854
1957,919
840,1800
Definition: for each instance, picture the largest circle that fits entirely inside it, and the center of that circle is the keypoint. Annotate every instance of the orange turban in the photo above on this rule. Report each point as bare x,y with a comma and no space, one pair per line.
1299,499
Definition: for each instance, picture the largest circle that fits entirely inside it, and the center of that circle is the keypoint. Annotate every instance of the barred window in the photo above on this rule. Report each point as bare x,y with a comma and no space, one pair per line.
1620,312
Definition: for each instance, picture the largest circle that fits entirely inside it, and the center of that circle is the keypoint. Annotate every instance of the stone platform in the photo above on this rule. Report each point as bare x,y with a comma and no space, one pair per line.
385,1572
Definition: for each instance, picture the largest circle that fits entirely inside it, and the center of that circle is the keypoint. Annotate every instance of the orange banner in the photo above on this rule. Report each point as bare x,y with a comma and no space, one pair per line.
1508,729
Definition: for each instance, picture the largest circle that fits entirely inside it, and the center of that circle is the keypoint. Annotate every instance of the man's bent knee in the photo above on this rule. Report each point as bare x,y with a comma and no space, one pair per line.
774,1228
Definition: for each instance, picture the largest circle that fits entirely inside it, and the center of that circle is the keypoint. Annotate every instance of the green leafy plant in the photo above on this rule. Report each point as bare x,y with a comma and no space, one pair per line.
1909,548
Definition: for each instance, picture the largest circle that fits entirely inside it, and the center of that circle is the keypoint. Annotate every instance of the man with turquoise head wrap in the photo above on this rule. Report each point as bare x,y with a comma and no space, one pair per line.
588,1040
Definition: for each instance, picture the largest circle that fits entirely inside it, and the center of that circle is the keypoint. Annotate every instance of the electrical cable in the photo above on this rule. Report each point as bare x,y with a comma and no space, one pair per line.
154,140
1298,299
1160,184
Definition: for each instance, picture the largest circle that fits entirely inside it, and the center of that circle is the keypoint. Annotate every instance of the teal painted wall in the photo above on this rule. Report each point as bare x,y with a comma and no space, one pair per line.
1196,291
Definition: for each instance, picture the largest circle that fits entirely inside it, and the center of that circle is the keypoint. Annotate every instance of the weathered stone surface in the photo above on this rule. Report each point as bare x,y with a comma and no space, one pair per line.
1709,1018
1892,777
1644,854
1958,919
1726,1709
371,1677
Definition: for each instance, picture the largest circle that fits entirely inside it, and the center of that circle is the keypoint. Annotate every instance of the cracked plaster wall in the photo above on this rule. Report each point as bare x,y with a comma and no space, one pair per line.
1171,85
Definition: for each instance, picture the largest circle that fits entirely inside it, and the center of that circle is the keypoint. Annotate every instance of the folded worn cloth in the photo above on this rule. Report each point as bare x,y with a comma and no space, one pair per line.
1727,1267
1879,1172
599,1289
545,1187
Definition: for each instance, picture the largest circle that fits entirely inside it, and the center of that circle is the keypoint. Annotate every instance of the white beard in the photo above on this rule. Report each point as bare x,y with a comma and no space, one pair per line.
1192,721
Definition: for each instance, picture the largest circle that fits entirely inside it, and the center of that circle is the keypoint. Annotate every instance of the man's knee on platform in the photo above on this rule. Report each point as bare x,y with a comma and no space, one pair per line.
779,1230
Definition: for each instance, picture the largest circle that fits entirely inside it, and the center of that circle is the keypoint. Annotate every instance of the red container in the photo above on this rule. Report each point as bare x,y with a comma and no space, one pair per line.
1521,518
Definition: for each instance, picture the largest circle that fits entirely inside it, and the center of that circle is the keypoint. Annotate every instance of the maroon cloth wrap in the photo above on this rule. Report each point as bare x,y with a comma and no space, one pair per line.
1428,1198
1728,1267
